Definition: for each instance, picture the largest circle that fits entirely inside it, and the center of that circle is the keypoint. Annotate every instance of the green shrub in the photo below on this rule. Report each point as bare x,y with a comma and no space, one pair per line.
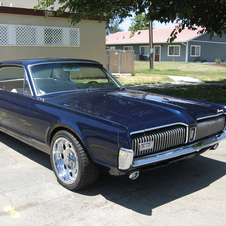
133,73
198,59
218,60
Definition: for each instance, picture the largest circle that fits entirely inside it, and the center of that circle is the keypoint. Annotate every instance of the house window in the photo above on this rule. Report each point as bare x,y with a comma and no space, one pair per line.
195,51
173,50
53,37
112,48
3,35
26,35
74,37
144,50
127,48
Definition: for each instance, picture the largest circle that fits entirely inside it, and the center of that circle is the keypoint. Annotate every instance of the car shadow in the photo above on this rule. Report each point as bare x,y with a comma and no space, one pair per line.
160,186
26,150
151,190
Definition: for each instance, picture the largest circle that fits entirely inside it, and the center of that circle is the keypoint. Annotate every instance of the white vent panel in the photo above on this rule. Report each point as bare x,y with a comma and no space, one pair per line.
24,35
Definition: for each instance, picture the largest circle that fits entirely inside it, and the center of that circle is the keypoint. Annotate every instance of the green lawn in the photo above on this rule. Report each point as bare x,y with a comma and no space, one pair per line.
204,72
210,93
201,71
140,79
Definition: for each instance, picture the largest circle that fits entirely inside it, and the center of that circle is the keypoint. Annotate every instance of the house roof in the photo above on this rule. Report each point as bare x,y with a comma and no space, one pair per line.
30,12
160,35
33,12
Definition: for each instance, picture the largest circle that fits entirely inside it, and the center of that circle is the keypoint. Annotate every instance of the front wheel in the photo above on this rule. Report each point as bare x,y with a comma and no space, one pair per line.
70,163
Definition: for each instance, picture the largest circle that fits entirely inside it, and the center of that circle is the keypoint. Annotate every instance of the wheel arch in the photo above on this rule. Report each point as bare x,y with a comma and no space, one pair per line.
60,127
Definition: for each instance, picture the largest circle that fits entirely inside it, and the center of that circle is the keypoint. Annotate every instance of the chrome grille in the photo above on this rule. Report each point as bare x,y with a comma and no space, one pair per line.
161,139
210,126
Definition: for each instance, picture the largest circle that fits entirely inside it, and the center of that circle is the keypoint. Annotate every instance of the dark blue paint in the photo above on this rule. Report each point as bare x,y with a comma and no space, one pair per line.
102,120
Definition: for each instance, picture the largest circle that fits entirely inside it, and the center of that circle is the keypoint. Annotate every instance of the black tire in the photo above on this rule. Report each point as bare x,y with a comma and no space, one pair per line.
73,168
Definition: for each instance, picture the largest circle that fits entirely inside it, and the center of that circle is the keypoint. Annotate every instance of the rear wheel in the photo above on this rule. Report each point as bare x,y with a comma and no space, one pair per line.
70,163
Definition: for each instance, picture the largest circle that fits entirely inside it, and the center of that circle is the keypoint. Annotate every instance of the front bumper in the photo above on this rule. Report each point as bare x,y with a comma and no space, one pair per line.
127,160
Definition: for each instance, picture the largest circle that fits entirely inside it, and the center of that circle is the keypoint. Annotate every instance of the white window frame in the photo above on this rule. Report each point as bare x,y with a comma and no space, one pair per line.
145,47
128,47
174,51
196,46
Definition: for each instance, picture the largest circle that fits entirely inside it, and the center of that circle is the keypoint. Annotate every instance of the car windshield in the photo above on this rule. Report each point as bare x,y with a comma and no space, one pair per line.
60,77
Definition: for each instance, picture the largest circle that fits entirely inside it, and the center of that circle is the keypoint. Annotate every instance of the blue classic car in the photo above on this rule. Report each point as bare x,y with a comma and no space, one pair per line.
77,112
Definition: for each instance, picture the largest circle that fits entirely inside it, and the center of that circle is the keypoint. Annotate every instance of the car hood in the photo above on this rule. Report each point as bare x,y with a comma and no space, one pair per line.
136,110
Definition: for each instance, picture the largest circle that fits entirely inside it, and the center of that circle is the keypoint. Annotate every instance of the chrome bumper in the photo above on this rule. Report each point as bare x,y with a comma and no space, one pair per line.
126,160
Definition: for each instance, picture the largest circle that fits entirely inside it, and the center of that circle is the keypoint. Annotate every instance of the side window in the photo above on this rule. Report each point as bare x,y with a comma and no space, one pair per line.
195,51
12,79
174,50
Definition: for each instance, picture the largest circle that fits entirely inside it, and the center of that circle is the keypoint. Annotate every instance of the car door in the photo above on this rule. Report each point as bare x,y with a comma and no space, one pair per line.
14,100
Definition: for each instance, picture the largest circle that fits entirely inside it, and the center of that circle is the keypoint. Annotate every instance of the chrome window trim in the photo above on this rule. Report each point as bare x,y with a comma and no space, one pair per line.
24,78
65,61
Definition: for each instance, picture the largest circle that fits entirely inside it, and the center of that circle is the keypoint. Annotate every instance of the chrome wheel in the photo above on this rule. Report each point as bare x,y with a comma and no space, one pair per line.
72,166
65,160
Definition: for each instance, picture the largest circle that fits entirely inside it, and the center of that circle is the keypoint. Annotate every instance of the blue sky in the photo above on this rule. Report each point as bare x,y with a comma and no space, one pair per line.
126,23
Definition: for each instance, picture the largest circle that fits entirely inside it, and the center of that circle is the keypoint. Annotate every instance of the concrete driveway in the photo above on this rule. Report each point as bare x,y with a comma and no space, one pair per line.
189,193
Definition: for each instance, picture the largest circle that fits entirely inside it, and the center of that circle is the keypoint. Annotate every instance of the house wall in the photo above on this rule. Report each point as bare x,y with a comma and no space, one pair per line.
92,39
136,49
211,48
163,52
214,38
121,47
20,3
23,3
165,56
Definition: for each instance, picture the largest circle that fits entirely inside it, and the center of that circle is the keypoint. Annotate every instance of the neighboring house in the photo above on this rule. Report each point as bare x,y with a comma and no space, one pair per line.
187,47
25,33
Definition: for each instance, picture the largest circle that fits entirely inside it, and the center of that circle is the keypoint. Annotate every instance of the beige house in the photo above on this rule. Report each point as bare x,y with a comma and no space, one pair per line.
25,33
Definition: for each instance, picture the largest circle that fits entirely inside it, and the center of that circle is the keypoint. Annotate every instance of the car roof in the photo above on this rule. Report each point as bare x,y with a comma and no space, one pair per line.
33,61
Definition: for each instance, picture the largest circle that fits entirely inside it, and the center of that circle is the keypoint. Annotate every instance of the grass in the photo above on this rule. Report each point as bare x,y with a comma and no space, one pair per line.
210,93
203,72
141,79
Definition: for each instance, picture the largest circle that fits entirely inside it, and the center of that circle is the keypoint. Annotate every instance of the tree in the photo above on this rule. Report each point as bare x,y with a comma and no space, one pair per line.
209,14
113,26
139,22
